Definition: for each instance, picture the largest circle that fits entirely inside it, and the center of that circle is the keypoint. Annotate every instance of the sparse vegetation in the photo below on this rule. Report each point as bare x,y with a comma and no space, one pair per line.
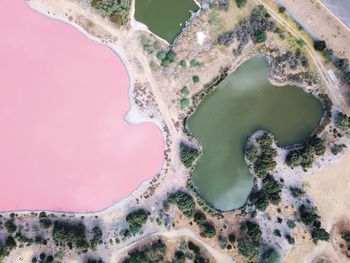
207,228
148,45
342,121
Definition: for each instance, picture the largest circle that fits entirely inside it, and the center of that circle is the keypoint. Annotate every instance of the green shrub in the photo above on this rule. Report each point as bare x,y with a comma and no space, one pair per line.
260,37
185,91
161,55
153,252
183,63
69,233
116,10
136,219
45,223
169,58
277,233
207,230
241,3
251,153
291,224
248,249
194,63
342,64
290,239
199,217
320,234
184,103
308,216
96,237
328,54
271,256
320,45
188,154
346,236
342,121
337,148
184,202
281,9
10,226
195,79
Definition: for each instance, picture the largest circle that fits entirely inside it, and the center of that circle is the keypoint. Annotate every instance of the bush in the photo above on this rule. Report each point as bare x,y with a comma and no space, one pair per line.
271,256
208,230
188,154
45,223
10,243
308,216
342,121
306,155
96,237
290,239
10,226
347,78
342,64
69,233
260,37
248,249
199,217
161,55
337,148
251,153
136,219
241,3
320,234
184,202
320,45
328,54
153,252
184,103
116,10
183,63
185,91
195,79
291,224
281,9
169,58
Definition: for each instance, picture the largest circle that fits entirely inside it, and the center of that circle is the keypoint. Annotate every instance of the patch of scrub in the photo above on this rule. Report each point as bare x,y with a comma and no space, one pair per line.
165,18
63,98
243,103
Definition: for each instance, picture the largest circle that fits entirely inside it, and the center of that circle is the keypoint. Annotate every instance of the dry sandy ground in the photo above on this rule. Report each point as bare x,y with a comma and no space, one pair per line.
329,189
321,24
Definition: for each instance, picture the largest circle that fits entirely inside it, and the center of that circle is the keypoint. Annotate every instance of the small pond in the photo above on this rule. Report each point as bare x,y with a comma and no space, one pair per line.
165,18
244,102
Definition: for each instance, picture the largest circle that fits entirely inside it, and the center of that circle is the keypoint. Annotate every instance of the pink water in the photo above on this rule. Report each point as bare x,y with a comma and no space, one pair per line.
64,144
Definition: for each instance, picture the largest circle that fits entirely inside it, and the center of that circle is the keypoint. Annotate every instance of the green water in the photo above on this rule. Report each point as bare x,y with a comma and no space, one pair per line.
165,18
244,102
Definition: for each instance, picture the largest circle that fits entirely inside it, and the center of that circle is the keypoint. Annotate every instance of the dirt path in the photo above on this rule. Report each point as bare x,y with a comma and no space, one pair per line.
332,89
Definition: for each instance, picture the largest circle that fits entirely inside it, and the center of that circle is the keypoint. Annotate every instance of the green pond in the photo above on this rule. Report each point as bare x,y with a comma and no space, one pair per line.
244,102
165,18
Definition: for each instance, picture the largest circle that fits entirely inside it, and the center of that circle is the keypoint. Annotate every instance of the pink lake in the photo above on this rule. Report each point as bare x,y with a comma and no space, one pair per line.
64,144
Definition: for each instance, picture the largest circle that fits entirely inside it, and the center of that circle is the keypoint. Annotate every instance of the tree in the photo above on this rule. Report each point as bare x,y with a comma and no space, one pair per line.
184,202
69,233
251,153
342,121
195,79
320,45
320,234
136,219
248,249
281,9
241,3
188,154
342,63
260,37
10,226
161,55
271,256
